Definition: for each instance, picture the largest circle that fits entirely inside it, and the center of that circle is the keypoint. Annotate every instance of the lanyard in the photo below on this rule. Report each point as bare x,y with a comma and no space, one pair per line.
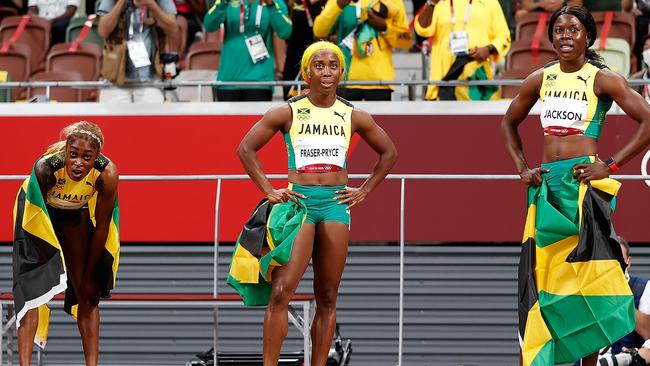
453,15
310,20
143,10
258,15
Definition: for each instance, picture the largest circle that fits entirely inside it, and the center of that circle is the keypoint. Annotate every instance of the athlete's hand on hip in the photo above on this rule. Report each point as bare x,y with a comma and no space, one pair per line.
283,195
351,196
589,172
532,177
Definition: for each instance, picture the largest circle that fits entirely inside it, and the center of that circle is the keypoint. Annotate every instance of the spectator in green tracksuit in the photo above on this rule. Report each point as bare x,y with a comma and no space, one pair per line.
247,52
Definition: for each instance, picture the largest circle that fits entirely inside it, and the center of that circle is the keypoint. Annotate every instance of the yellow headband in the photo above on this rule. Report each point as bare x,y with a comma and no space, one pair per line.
311,51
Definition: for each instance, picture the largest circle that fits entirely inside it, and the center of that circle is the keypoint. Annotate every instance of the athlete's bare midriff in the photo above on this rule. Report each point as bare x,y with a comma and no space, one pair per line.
566,147
319,179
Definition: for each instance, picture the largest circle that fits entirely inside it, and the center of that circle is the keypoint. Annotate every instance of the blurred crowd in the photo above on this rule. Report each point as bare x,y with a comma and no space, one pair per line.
262,40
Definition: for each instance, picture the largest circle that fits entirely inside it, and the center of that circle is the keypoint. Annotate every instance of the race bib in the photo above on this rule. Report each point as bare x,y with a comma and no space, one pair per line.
458,43
256,48
321,150
563,112
138,53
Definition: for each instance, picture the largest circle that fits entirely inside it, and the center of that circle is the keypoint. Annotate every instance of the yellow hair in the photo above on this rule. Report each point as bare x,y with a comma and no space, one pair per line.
311,51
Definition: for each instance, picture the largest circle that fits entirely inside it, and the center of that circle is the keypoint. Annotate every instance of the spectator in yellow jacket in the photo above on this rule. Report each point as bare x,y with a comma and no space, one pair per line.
367,31
467,36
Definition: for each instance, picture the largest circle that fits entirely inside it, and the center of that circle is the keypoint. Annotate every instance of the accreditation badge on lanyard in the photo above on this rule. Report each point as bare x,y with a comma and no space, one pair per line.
459,41
255,43
137,49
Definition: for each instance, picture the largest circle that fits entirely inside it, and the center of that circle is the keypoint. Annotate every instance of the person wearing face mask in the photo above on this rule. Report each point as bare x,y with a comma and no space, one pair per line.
644,73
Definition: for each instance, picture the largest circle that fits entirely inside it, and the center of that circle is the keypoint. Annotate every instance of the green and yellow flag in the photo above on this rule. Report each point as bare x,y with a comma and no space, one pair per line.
573,295
39,270
265,243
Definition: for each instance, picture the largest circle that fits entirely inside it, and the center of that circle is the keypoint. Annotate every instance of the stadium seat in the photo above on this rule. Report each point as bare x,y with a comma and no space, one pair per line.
16,61
85,60
36,36
527,25
203,56
622,26
510,91
61,94
521,56
191,93
616,54
74,28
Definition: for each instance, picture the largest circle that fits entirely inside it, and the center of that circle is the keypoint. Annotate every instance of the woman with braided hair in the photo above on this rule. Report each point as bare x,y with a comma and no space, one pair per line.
66,238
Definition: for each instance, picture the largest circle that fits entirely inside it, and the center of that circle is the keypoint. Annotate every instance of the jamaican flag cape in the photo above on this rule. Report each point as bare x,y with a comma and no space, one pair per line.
573,296
264,243
39,270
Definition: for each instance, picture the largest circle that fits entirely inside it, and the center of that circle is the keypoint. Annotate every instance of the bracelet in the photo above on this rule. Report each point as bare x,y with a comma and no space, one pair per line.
611,164
431,3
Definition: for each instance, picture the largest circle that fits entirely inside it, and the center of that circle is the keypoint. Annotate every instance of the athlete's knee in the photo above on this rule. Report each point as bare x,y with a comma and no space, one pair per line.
281,295
326,298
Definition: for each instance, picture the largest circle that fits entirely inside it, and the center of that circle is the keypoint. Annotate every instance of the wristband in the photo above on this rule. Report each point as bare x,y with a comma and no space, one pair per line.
611,164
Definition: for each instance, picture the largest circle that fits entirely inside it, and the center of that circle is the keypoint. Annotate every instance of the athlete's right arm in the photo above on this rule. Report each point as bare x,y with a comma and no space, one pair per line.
276,119
516,113
44,176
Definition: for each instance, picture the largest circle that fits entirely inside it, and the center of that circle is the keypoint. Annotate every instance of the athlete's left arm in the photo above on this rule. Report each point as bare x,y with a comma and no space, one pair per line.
611,85
106,196
378,139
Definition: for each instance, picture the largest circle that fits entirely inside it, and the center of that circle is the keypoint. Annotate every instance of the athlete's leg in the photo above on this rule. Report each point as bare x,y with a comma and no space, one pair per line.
284,281
75,233
330,253
26,334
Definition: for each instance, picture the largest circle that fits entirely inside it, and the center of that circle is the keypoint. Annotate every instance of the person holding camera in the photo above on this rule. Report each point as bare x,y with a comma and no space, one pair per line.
134,33
247,53
367,31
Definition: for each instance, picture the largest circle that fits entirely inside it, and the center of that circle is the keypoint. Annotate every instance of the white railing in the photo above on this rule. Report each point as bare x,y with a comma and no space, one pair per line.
401,177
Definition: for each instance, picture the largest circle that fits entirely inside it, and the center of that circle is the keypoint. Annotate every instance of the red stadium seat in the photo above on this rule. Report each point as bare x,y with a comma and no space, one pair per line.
6,11
16,60
203,56
61,94
527,25
622,26
85,60
510,91
36,36
521,56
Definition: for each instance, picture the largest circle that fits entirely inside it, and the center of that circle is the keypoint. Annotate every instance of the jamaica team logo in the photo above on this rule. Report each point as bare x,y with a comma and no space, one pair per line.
303,114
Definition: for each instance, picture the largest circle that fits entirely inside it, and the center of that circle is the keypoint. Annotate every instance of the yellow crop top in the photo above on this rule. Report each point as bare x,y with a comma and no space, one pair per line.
66,193
569,104
319,138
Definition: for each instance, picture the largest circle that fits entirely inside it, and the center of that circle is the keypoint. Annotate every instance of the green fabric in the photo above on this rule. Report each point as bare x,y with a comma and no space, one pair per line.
283,224
346,23
546,355
235,63
571,325
596,126
321,206
481,92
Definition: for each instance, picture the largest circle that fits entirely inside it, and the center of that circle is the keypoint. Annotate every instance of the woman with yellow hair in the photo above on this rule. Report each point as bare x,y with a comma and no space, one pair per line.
317,127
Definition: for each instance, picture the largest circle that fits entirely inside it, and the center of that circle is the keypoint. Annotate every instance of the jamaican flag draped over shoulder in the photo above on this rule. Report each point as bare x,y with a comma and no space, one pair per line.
39,270
264,243
573,295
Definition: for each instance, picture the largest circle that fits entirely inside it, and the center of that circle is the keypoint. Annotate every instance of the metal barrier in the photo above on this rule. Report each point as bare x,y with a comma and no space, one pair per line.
401,177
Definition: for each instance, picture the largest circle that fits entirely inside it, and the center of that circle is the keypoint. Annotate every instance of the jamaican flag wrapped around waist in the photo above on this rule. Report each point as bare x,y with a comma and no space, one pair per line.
39,270
264,243
573,296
